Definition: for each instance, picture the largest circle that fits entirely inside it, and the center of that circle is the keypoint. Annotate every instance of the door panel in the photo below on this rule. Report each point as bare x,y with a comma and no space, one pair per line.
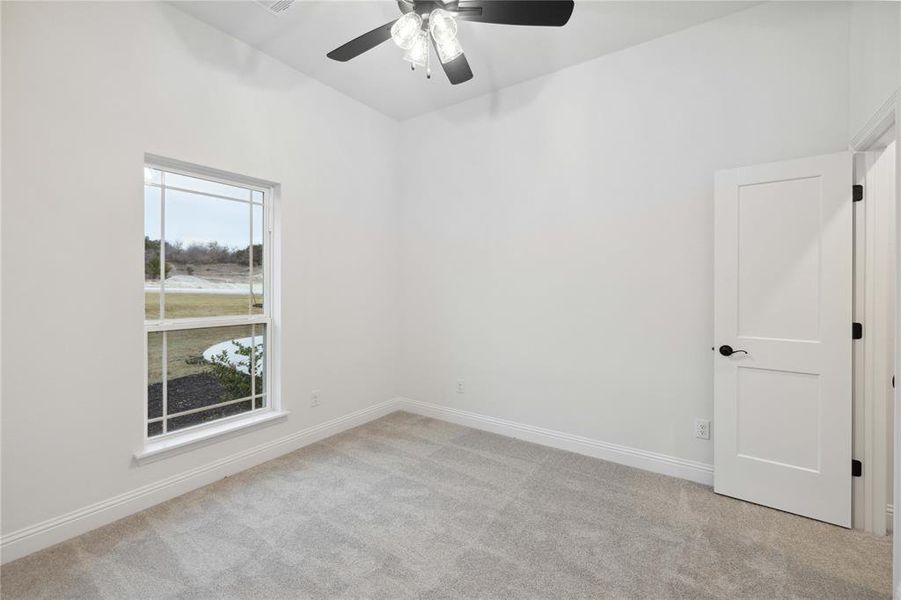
783,293
792,440
778,298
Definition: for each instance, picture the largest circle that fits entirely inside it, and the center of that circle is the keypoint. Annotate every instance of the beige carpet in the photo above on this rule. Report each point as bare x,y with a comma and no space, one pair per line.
410,507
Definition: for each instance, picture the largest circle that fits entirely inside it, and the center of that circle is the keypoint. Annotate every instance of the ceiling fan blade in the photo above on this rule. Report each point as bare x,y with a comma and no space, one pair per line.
546,13
457,70
358,46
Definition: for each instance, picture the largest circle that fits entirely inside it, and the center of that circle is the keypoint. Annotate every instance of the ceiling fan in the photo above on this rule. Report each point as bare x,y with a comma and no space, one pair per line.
434,22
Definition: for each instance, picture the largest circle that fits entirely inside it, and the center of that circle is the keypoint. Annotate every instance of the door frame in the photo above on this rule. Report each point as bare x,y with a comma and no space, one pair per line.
884,122
870,493
896,493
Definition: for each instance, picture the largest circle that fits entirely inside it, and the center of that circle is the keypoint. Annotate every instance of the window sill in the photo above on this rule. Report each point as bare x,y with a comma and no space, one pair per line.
177,444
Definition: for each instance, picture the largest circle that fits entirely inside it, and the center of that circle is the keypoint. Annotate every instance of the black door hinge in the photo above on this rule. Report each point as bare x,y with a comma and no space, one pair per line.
856,331
857,193
856,468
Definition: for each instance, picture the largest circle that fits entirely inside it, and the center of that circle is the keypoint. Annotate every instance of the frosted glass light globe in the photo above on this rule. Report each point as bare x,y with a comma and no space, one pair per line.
418,53
442,25
406,29
449,50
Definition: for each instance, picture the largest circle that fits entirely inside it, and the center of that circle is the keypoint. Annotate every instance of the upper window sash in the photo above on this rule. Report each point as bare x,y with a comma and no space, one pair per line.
163,304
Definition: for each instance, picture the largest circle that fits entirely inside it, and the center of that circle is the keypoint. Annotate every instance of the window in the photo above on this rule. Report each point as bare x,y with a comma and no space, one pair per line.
206,312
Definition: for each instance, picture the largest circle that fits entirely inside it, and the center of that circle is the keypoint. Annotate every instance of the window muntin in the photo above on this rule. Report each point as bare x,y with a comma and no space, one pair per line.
206,247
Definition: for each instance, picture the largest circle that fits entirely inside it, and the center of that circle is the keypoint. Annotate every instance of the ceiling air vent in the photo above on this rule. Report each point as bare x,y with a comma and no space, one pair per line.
276,7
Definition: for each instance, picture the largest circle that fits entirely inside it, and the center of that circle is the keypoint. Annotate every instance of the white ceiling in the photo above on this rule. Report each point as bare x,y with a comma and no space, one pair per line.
499,55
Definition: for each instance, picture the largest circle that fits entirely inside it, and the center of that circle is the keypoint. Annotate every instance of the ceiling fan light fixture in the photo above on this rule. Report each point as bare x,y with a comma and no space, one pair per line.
442,25
436,19
418,52
406,30
449,50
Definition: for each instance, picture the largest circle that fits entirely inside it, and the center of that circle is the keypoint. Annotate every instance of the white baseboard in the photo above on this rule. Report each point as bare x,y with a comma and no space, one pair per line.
53,531
632,457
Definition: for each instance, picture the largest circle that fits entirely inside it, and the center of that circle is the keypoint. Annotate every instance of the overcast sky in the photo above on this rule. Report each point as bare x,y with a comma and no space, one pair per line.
192,218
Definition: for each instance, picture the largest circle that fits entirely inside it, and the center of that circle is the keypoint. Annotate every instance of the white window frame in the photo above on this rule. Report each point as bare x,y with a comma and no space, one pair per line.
173,441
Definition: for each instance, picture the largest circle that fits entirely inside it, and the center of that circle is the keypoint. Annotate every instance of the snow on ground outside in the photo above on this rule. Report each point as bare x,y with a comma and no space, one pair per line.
236,360
198,285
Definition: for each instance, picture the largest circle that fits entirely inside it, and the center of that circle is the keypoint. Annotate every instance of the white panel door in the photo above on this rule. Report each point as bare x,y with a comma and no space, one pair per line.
782,399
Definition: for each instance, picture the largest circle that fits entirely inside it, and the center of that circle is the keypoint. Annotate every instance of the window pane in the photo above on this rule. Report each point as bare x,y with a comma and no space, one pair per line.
208,187
154,375
151,252
260,402
257,196
207,256
207,366
257,279
259,358
154,428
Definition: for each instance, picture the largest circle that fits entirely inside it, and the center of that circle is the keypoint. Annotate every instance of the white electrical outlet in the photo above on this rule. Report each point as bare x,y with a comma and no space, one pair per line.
461,388
314,398
702,429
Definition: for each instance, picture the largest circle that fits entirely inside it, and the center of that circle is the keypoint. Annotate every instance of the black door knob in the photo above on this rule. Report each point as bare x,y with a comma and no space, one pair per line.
728,351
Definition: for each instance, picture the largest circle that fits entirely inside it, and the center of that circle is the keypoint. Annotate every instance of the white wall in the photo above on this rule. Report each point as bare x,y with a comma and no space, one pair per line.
874,59
87,90
557,236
